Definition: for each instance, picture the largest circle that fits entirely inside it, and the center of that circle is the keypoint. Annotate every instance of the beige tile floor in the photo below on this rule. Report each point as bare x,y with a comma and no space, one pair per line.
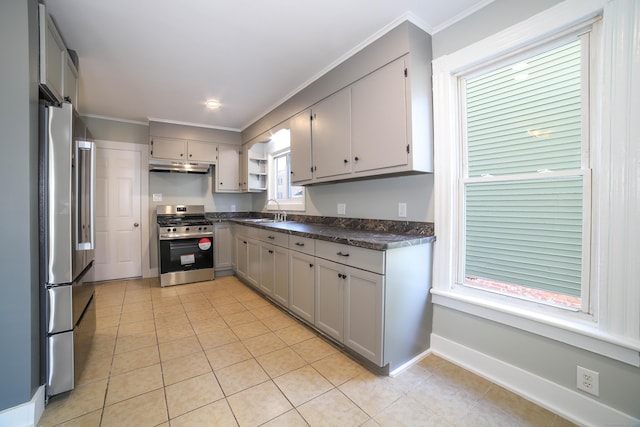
218,354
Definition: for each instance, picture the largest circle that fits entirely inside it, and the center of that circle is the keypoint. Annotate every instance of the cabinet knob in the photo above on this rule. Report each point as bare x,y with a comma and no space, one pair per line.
346,161
310,265
181,154
356,158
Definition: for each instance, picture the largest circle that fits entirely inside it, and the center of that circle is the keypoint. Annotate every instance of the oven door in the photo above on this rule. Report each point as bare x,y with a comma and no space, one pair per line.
186,254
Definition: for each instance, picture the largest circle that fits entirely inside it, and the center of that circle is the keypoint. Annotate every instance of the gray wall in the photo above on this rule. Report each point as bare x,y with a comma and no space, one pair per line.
19,291
553,360
494,17
113,130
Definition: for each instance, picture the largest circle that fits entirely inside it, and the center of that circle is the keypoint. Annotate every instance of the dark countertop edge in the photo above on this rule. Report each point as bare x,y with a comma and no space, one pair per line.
363,239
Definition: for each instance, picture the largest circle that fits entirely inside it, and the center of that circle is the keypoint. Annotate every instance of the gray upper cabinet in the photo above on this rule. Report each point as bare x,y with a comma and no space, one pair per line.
331,135
227,172
58,73
301,166
70,86
369,116
180,149
379,120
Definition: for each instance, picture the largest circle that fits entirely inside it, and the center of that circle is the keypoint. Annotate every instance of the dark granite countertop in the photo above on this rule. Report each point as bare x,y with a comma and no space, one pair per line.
368,239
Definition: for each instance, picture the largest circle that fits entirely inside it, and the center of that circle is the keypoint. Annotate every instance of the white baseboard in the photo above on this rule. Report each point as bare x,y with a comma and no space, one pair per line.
570,404
27,414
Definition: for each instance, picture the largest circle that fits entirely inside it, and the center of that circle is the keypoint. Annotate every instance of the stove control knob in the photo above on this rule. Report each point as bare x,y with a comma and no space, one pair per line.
168,230
186,229
199,228
174,229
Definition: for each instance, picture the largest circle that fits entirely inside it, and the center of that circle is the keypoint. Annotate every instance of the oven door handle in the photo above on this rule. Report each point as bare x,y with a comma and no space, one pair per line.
185,236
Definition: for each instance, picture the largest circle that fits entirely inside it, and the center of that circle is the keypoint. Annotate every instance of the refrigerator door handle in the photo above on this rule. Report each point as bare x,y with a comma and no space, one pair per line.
85,199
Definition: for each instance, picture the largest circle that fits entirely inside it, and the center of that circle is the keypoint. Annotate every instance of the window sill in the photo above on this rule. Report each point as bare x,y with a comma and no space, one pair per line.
577,333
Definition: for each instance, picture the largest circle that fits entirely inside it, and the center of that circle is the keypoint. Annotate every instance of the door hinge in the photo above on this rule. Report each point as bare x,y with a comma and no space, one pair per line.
408,149
405,72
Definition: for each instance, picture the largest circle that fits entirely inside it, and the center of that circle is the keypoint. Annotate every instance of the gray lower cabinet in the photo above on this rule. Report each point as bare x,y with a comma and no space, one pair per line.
274,280
223,247
349,302
302,285
274,266
376,303
241,256
247,254
253,262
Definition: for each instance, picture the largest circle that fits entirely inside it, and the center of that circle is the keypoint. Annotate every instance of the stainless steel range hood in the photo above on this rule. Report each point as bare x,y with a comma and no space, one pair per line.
156,165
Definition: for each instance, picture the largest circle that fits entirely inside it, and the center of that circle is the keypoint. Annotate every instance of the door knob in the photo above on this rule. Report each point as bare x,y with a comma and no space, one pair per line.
135,224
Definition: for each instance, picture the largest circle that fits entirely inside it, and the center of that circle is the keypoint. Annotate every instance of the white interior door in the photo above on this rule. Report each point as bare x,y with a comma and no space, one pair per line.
118,235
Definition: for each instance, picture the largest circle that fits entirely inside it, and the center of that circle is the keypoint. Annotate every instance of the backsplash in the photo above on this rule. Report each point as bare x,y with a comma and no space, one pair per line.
376,225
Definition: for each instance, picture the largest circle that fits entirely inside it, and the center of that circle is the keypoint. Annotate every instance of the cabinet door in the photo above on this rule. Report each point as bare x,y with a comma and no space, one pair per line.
267,268
223,246
281,276
241,256
331,135
302,285
363,313
379,119
228,169
52,56
205,152
70,86
253,262
168,148
330,284
300,146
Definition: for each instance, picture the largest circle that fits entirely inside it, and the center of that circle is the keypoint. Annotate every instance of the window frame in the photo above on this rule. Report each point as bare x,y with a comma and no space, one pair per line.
583,33
290,204
610,330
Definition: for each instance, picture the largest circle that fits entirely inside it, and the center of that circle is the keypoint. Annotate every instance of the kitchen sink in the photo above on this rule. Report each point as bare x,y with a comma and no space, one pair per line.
258,220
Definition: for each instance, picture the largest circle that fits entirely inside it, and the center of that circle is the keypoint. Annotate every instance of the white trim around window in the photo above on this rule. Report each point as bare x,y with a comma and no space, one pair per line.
612,328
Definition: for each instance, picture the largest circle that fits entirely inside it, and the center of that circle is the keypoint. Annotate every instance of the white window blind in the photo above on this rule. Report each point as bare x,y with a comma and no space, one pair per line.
524,185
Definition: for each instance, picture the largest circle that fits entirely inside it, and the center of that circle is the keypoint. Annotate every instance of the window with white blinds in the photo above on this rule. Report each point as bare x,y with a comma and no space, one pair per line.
526,184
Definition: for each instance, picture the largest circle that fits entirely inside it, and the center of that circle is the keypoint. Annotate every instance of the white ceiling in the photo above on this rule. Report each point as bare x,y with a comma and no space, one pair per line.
162,59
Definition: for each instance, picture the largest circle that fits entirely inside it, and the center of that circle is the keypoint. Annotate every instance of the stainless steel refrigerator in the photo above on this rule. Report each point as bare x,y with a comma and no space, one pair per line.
67,242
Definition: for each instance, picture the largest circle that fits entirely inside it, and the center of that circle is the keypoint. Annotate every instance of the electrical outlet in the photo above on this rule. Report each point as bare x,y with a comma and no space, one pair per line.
157,197
402,210
588,380
342,208
233,208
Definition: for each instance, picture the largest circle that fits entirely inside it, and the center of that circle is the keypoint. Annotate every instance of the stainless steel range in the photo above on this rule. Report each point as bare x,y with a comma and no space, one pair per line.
185,244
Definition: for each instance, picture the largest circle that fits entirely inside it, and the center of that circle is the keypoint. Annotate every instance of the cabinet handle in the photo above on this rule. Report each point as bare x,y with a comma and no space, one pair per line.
271,237
244,241
299,244
341,254
270,251
310,265
342,276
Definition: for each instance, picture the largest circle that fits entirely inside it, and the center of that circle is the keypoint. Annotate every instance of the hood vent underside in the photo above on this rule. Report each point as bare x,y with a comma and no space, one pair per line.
176,166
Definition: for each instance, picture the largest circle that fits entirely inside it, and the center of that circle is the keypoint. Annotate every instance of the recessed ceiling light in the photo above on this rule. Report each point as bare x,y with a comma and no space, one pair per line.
212,103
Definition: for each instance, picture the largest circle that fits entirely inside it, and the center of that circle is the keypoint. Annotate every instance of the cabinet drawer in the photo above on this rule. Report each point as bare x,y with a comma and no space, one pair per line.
365,259
279,239
302,244
250,232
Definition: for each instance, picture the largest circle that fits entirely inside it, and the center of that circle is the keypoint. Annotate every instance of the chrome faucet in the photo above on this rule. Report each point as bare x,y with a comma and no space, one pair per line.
281,215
